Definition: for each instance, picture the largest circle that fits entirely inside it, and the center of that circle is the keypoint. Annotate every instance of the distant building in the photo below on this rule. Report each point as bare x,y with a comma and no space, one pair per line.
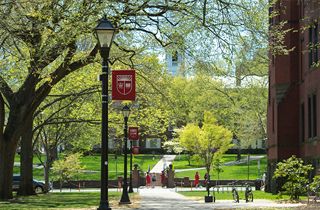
293,105
175,62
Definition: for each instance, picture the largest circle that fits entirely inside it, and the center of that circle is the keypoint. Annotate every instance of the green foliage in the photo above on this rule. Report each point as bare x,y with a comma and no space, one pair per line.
217,166
209,142
240,108
315,185
294,171
68,167
279,196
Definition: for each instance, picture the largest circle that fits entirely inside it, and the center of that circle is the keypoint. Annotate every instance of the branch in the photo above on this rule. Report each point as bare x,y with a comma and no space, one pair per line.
2,116
62,97
6,90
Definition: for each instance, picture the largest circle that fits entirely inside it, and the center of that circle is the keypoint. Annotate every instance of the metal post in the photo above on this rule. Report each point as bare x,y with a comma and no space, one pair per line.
125,198
104,27
130,183
104,202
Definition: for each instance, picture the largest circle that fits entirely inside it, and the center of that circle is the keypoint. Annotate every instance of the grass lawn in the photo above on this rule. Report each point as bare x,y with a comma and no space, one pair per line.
239,171
183,162
93,163
62,201
228,196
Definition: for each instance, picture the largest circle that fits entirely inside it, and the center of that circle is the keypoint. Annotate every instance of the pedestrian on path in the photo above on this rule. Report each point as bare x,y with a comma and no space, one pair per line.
196,177
205,178
264,179
153,179
163,178
148,180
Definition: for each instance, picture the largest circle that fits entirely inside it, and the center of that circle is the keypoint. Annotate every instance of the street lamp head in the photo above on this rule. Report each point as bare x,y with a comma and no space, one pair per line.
126,112
105,32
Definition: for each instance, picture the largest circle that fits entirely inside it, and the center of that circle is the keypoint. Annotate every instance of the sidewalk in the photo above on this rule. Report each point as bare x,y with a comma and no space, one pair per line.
159,198
164,162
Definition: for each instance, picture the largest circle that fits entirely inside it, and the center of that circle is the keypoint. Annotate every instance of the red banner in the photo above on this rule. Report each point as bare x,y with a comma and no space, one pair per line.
124,85
135,150
133,133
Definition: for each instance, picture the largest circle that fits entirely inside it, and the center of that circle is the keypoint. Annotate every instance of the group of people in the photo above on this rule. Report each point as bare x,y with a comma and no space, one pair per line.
197,178
150,180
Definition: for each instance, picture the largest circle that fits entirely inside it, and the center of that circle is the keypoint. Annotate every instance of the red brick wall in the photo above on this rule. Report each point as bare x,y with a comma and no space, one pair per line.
292,74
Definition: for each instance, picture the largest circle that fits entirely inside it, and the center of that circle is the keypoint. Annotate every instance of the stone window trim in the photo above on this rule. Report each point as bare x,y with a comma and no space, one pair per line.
312,91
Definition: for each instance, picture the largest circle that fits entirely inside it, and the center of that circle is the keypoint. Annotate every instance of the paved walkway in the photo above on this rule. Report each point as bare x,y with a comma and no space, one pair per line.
163,198
164,162
159,198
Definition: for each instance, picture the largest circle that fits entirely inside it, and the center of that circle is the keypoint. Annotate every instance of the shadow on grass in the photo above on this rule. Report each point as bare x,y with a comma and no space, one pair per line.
56,200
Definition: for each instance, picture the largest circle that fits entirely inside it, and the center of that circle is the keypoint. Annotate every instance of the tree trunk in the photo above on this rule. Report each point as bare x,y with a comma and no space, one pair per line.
7,153
238,149
26,160
61,183
189,158
47,173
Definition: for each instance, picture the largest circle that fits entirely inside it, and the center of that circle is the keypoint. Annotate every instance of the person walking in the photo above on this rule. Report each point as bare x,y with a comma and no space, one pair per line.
148,180
163,178
153,179
264,178
196,177
205,178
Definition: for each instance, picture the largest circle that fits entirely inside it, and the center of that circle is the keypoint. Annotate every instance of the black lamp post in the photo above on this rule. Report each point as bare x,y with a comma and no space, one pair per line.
130,182
125,197
105,33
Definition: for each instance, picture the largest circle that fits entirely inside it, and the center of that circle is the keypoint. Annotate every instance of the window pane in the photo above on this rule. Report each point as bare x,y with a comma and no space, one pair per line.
315,47
153,143
309,117
310,46
172,125
314,99
302,123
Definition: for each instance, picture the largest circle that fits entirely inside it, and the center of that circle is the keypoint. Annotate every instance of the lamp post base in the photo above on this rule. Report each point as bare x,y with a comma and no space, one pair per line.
130,188
125,197
124,202
208,198
104,205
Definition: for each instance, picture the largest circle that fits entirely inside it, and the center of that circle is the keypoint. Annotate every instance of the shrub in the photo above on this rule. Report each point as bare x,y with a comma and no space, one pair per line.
295,171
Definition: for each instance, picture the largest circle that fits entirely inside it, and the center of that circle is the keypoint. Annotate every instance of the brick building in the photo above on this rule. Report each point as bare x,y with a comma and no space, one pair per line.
294,79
